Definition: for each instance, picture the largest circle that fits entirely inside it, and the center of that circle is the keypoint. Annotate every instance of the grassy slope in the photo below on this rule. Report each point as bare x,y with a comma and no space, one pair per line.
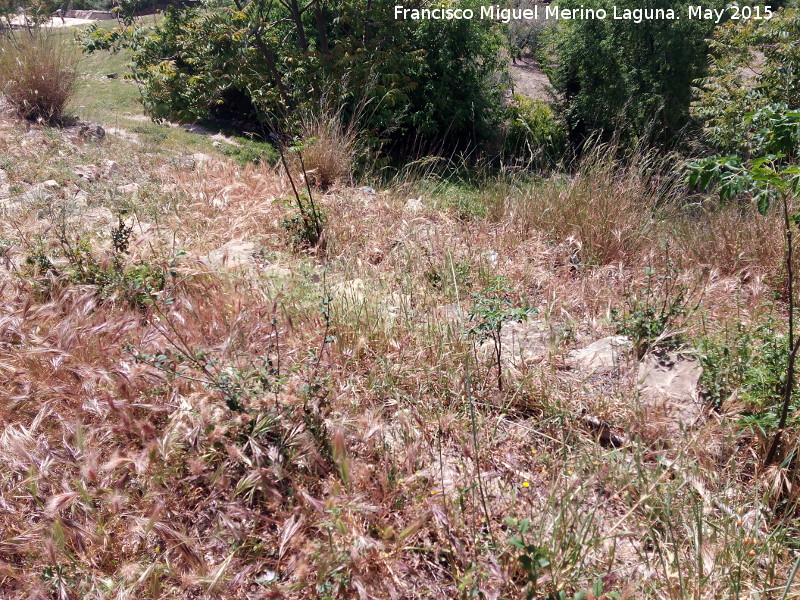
238,435
114,103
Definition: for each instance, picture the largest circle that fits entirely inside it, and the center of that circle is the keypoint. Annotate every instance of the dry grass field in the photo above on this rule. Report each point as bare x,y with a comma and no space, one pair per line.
192,406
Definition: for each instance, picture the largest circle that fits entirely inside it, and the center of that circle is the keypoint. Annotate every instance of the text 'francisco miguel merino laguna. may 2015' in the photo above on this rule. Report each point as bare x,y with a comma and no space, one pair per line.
547,12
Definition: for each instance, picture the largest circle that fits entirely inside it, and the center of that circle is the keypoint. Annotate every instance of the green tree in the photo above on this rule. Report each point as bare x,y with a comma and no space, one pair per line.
627,78
251,59
754,64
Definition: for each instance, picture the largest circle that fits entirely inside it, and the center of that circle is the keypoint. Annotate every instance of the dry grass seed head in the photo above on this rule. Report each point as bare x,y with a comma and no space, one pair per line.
38,73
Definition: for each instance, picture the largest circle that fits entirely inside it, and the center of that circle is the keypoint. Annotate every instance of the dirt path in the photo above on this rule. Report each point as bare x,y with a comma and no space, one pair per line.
529,80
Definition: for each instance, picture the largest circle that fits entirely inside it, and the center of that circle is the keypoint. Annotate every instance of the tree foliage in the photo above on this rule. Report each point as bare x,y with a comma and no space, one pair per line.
258,58
632,79
754,70
534,137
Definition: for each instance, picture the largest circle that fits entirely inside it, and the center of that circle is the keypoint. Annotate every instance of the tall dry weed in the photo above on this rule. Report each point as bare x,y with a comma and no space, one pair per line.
38,73
733,240
330,146
606,209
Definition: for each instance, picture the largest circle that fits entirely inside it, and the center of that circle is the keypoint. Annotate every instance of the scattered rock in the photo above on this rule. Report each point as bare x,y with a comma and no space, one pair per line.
50,183
5,186
124,134
600,357
87,172
9,206
35,195
232,255
368,190
668,390
219,138
81,198
110,169
128,188
351,292
192,161
98,216
522,344
398,304
414,205
91,131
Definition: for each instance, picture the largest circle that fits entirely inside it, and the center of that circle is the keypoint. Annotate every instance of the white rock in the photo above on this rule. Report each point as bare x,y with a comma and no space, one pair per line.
492,256
128,188
99,215
50,183
220,138
81,198
349,292
5,187
398,304
233,254
124,134
521,345
414,205
110,169
34,195
87,172
600,357
9,206
668,390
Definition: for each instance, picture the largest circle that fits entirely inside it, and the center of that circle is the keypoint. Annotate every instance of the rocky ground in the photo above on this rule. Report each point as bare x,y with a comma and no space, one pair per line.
195,406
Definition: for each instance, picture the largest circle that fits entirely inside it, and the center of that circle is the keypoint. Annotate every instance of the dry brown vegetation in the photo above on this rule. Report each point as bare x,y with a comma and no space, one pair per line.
319,425
40,73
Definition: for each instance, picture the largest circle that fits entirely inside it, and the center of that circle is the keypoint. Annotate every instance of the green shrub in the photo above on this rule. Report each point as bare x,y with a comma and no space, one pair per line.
439,79
749,362
492,308
755,68
653,311
534,137
632,80
255,153
38,74
75,262
305,222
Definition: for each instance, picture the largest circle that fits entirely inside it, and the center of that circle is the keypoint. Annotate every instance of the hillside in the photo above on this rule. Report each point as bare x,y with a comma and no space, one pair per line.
388,318
192,408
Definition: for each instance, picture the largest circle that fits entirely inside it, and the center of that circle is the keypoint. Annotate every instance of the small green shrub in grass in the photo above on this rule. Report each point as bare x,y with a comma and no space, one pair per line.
38,74
751,363
75,262
534,137
652,310
492,308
